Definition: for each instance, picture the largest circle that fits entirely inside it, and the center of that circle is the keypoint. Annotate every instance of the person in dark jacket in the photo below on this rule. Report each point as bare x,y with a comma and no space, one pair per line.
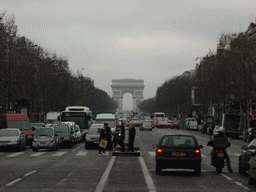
102,136
132,132
122,136
108,136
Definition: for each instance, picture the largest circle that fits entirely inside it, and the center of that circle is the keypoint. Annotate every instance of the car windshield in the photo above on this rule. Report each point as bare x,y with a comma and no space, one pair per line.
146,123
8,133
22,125
93,130
175,141
44,132
60,128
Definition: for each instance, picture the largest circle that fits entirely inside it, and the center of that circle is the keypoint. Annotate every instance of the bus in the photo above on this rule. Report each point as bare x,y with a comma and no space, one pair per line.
81,115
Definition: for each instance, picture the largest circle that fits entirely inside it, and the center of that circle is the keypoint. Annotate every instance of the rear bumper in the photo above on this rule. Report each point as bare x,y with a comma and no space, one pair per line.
181,163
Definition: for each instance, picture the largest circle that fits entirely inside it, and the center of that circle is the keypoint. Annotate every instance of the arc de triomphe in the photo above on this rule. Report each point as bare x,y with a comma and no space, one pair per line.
122,86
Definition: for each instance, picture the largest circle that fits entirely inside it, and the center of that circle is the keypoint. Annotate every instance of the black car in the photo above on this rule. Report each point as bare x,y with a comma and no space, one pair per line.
250,134
243,161
65,133
175,125
178,151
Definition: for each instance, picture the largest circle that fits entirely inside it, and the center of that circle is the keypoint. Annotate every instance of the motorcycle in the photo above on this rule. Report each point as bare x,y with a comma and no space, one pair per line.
219,152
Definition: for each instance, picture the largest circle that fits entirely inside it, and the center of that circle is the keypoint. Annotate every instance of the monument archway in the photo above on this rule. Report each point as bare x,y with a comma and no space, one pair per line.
132,86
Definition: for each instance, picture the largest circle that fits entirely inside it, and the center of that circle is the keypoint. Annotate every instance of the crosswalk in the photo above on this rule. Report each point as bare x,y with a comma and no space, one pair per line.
79,154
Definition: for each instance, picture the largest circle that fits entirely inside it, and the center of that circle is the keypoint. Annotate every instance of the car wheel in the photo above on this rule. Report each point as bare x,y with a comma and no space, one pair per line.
197,170
251,181
240,168
158,169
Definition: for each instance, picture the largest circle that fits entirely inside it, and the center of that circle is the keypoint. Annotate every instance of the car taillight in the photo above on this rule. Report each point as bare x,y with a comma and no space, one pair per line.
219,151
159,152
197,153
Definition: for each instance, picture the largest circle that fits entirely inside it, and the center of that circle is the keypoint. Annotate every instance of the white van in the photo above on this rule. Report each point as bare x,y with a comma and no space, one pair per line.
108,118
191,124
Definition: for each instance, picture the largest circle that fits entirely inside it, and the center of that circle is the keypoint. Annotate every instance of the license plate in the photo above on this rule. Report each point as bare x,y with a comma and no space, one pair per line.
179,154
220,154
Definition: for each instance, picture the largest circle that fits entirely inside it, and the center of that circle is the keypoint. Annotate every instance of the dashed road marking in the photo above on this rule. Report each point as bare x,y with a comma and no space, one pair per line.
82,153
37,154
59,154
241,185
13,182
15,154
152,153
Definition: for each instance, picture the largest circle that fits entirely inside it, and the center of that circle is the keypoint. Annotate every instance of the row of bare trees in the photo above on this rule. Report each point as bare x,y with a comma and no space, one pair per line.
224,79
34,77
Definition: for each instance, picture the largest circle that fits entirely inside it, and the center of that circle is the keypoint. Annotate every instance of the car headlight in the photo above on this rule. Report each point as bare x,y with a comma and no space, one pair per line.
119,134
88,139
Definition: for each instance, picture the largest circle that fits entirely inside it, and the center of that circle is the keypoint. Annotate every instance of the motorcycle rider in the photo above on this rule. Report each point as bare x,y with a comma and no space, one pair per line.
221,134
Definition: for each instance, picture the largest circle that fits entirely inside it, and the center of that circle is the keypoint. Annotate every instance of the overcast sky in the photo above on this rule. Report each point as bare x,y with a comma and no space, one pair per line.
138,39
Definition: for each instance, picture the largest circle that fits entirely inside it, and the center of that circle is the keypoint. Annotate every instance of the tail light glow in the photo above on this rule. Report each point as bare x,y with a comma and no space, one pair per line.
159,152
197,153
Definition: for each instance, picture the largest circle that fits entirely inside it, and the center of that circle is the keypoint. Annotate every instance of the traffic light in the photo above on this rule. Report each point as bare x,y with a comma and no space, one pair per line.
181,113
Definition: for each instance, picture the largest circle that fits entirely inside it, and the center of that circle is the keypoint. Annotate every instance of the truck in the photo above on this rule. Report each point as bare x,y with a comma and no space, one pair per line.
232,125
162,122
52,117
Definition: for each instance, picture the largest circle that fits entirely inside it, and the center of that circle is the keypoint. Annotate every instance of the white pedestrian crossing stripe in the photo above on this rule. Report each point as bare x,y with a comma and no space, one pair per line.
15,154
37,154
82,153
59,154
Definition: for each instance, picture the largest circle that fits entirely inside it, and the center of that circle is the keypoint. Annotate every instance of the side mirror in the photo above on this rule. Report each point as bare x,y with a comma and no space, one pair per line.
201,146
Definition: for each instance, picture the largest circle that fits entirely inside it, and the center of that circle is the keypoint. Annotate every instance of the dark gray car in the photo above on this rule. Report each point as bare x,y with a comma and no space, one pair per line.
45,138
65,133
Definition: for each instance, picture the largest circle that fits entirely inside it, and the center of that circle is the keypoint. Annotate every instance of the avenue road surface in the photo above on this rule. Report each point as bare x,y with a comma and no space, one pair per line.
77,169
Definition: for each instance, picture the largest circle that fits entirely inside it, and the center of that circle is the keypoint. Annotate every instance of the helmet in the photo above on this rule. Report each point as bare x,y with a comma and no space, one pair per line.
221,130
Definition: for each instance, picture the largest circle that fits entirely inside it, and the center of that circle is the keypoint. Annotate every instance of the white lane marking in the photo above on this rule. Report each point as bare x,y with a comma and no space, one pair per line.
59,154
152,153
13,182
77,148
148,179
241,185
226,177
62,182
237,154
105,175
37,154
27,174
16,154
82,153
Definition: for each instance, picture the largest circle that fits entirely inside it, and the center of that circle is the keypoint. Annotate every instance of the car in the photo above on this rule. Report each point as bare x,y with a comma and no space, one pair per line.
146,125
243,159
65,133
250,134
72,126
35,125
78,133
178,151
45,138
12,138
136,123
175,124
252,169
92,136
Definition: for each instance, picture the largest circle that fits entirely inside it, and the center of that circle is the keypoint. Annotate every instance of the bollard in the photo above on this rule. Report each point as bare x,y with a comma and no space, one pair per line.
126,138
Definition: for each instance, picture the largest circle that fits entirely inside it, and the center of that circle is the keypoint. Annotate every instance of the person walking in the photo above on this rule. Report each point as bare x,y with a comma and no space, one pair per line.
122,137
102,136
108,136
132,132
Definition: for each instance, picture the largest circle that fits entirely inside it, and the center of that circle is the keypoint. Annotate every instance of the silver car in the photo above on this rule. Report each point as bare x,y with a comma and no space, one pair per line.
92,136
12,138
45,138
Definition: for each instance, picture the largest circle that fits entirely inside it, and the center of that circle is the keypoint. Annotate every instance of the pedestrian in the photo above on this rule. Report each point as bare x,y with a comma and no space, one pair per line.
132,132
102,136
108,136
122,137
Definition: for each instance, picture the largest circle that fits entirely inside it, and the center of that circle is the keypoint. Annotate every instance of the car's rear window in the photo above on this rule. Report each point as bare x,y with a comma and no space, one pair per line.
174,140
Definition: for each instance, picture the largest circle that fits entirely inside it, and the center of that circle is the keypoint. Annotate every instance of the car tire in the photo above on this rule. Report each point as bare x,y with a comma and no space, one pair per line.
240,168
197,170
158,169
